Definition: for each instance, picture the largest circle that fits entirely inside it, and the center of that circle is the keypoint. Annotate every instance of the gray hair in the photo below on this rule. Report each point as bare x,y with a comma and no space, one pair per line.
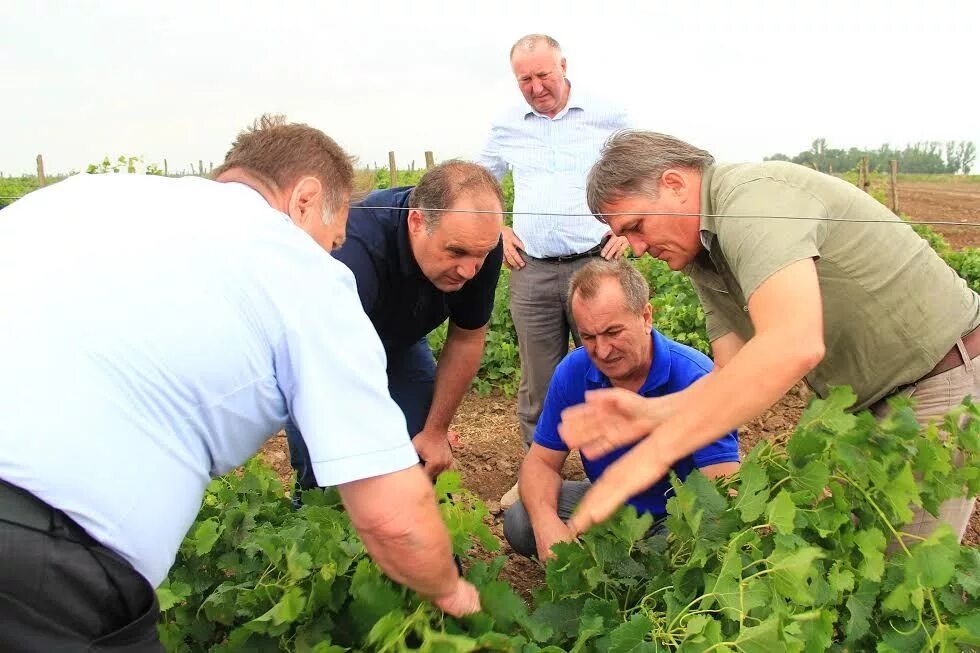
532,41
633,161
589,278
442,185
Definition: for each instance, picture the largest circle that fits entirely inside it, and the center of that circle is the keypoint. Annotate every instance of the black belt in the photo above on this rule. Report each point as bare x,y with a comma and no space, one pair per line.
595,251
22,508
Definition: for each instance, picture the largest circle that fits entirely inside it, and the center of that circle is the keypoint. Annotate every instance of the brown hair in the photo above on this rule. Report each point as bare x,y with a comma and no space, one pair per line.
279,153
632,162
442,185
589,278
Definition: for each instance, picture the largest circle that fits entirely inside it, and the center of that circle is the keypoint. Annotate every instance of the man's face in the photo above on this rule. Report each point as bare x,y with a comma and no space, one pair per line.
457,247
540,75
616,339
674,239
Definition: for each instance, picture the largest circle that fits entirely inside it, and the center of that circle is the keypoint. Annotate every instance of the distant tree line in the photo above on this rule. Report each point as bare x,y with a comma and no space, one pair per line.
929,157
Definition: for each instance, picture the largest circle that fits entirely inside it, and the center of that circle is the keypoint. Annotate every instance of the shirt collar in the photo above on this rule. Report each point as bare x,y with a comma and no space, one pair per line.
657,377
575,101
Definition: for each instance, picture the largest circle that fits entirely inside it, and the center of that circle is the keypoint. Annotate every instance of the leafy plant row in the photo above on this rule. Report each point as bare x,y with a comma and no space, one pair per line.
802,550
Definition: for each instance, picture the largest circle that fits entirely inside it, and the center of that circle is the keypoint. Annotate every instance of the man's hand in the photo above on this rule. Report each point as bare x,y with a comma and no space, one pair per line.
512,249
547,535
615,247
464,599
609,419
434,450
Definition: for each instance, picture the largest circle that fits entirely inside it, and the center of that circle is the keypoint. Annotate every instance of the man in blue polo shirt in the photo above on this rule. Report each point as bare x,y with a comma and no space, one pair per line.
421,255
620,347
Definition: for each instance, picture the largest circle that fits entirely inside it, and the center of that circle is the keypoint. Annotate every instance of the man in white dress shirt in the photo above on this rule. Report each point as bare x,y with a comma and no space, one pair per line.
154,333
550,141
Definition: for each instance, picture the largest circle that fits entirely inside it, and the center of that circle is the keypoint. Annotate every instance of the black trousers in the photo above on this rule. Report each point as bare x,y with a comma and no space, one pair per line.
62,591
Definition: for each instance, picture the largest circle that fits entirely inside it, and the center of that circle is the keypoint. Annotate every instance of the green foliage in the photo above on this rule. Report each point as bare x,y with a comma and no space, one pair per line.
966,262
253,573
790,554
123,164
382,177
928,157
677,312
15,187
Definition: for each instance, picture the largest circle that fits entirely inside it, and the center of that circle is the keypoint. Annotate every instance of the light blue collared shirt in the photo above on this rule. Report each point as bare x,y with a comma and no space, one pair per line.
155,332
551,158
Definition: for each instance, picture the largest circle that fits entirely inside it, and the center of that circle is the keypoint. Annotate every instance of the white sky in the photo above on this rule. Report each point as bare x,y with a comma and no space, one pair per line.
177,79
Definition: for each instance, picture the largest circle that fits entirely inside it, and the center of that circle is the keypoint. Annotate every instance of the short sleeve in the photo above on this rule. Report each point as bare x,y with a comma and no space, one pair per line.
472,305
722,450
775,233
330,367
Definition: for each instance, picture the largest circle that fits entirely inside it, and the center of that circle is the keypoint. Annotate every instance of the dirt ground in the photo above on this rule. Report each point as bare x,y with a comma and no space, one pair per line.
490,456
947,202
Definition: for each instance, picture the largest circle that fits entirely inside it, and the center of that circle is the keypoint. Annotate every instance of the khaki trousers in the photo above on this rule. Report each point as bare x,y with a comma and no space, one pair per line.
543,321
934,397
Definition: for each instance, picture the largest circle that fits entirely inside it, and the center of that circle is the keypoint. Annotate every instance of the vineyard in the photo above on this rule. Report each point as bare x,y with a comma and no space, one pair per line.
799,551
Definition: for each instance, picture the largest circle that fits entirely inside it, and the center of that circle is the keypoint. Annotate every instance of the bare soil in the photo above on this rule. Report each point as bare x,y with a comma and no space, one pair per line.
944,202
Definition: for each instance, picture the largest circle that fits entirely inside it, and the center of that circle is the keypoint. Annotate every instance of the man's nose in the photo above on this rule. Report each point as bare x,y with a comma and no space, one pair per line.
637,245
468,271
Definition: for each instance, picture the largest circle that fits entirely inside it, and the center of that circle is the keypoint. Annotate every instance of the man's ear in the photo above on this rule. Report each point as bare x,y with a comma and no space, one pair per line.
676,182
648,317
305,202
416,221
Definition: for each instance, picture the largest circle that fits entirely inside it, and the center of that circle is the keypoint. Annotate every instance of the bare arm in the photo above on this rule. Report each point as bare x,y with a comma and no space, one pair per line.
540,483
458,364
787,314
398,521
725,348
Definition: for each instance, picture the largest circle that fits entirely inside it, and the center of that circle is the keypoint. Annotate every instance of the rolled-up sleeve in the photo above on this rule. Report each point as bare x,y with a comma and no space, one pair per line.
330,367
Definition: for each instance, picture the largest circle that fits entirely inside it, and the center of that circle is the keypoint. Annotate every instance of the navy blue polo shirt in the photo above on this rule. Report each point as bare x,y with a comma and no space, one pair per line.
675,367
402,303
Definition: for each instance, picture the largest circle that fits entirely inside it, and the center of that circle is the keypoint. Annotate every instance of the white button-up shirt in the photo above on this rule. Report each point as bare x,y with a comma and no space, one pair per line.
551,158
155,332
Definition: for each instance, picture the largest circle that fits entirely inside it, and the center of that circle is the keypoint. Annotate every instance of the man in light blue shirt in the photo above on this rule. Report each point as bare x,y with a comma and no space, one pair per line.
550,141
154,333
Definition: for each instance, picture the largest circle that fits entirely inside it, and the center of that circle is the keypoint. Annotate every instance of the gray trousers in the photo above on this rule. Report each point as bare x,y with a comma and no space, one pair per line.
517,523
934,397
543,321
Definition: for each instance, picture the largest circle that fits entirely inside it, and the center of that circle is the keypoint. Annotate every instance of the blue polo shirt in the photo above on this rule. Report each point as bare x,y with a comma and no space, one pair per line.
675,367
401,302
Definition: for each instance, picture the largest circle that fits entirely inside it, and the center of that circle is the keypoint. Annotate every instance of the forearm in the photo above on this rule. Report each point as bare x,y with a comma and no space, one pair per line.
403,533
539,485
458,364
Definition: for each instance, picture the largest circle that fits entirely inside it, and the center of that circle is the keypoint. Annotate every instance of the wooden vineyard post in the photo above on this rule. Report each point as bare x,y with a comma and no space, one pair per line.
429,159
830,168
393,171
894,186
165,173
41,180
866,186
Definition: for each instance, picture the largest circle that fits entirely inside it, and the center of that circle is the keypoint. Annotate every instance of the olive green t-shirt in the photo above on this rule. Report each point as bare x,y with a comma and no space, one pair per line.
891,307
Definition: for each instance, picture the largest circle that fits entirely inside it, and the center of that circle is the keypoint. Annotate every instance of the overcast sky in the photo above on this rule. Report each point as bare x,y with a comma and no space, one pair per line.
178,79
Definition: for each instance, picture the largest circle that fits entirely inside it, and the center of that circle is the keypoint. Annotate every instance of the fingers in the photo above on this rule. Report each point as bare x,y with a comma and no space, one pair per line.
512,247
615,247
463,600
628,476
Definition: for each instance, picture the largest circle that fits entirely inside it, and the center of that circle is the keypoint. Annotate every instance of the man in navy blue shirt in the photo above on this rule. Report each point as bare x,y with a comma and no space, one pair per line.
610,304
421,255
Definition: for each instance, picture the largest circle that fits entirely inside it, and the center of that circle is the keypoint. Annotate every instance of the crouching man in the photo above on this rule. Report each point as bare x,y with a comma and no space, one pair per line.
609,302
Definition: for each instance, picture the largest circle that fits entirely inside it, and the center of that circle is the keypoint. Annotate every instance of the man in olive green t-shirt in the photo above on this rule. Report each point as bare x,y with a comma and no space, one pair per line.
814,280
